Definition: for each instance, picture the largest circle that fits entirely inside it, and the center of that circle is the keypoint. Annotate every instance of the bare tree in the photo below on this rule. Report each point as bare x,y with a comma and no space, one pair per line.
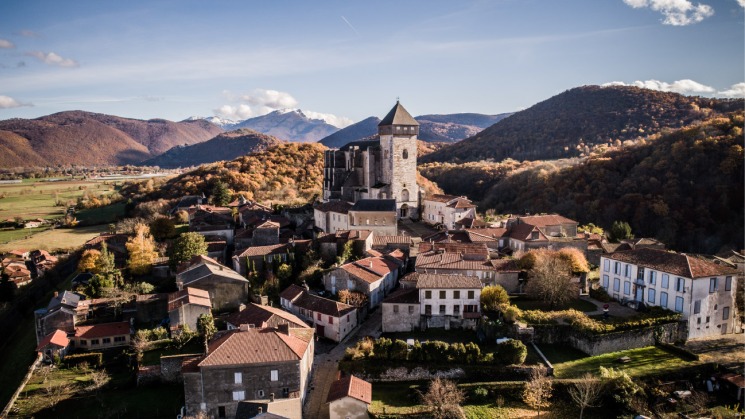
443,398
537,391
585,392
98,379
56,391
550,279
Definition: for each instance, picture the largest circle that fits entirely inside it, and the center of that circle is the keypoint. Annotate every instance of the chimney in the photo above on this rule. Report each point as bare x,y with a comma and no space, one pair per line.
244,327
56,294
271,397
284,328
261,410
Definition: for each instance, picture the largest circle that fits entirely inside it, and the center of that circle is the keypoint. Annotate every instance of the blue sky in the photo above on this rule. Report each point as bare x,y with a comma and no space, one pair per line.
352,59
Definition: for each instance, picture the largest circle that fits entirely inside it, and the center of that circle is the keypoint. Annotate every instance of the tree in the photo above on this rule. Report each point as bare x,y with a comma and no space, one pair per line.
88,260
537,391
163,228
346,254
494,298
512,352
353,298
186,246
284,273
206,328
620,230
98,284
443,398
585,392
619,385
220,194
550,279
182,217
105,262
576,259
141,250
140,288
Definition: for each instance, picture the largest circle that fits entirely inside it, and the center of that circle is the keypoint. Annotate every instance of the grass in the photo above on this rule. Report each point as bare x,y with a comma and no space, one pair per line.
557,354
8,235
644,361
578,304
37,199
57,239
194,346
397,398
101,215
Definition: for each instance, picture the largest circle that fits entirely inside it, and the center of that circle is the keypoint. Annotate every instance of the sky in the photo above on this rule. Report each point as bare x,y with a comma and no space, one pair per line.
344,61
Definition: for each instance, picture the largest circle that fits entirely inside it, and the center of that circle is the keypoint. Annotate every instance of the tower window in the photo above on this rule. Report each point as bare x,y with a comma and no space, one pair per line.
405,154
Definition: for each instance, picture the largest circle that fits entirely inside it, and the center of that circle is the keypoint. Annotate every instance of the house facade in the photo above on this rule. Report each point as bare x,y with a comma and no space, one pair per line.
446,210
248,364
401,311
185,307
373,276
331,319
376,215
702,291
332,216
102,336
449,300
227,288
543,231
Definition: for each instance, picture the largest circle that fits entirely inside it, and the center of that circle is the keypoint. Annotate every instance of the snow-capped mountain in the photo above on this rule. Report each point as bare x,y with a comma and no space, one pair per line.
290,125
226,124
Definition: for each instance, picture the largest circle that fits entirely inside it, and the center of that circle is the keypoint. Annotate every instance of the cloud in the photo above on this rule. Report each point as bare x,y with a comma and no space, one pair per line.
271,99
52,58
4,43
684,87
28,34
676,12
7,102
736,90
741,2
337,121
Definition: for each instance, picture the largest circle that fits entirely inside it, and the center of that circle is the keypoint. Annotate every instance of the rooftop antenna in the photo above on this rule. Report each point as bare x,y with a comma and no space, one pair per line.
397,99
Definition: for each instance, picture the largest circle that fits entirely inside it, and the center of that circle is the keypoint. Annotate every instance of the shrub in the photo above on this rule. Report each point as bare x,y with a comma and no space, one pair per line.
480,394
381,347
511,314
473,353
600,294
457,353
436,351
91,358
512,352
399,350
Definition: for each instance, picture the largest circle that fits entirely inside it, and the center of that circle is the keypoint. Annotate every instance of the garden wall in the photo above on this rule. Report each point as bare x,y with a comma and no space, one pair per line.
375,371
170,367
596,344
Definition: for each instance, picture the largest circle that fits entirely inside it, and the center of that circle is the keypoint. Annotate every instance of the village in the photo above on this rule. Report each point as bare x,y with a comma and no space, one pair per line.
301,312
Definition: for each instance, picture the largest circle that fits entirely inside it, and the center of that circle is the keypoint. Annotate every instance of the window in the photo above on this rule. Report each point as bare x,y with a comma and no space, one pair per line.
696,306
606,282
456,309
679,284
331,320
119,339
663,299
456,294
83,342
220,411
428,310
395,308
650,295
606,265
239,396
405,154
616,284
707,320
443,295
627,271
94,341
627,287
470,295
665,281
728,283
679,304
442,308
470,309
652,277
106,340
238,377
318,316
411,309
274,375
347,317
427,294
725,313
285,392
260,394
713,284
617,268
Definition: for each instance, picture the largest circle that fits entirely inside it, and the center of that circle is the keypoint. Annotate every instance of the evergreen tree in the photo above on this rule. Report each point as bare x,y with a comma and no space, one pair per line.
141,250
185,247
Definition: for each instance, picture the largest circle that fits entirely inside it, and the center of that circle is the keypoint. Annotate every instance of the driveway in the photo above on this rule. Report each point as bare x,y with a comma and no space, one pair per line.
726,350
326,366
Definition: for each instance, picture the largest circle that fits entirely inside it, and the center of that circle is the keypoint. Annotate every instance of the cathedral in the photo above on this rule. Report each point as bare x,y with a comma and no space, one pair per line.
380,168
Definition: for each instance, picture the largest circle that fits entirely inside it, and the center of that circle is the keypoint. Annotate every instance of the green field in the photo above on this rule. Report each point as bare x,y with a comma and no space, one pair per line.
39,199
53,240
643,361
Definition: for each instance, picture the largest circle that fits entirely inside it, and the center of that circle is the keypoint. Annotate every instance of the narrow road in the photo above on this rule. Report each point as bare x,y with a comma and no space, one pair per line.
326,367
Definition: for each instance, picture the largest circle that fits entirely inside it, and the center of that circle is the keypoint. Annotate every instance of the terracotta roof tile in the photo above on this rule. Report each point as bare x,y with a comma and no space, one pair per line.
350,386
57,338
674,263
340,207
447,281
441,198
102,330
361,273
545,220
253,346
272,249
322,305
257,315
291,292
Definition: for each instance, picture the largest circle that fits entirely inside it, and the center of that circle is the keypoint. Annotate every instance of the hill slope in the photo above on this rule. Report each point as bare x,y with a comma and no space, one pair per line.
685,188
289,125
78,137
226,146
365,128
571,123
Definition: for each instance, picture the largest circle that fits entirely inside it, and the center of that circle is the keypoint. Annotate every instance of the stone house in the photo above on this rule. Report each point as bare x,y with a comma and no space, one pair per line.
331,216
249,364
102,336
543,231
331,319
376,215
185,307
227,288
263,257
447,210
495,238
53,344
332,245
383,168
401,311
349,398
259,316
63,312
373,276
701,290
470,259
449,300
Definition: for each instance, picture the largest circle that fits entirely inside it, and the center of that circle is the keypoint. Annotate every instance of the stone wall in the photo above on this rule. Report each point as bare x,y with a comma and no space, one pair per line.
608,342
170,367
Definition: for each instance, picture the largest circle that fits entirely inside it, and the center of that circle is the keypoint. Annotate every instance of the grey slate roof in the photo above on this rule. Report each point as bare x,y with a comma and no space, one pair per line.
361,144
374,205
398,116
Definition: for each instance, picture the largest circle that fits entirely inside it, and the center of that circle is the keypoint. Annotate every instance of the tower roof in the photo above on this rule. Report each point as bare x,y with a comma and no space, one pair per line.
398,116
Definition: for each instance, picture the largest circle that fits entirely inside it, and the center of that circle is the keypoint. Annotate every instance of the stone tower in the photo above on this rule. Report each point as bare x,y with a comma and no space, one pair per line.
398,134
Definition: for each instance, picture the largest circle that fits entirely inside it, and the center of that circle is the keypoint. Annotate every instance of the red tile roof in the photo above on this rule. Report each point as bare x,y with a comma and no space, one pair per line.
450,261
291,292
545,220
440,198
102,330
322,305
523,232
253,346
477,250
271,316
678,264
379,265
350,386
403,296
272,249
478,235
361,273
448,281
57,338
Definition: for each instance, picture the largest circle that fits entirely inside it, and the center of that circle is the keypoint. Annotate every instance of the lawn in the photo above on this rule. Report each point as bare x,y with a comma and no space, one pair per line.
525,304
8,235
101,215
644,361
557,354
152,357
38,199
57,239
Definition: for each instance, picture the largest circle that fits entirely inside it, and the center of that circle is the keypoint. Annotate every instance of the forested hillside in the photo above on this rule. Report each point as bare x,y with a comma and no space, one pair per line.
684,188
581,121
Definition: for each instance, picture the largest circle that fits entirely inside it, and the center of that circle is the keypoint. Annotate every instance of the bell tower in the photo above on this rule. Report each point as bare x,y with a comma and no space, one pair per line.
398,134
